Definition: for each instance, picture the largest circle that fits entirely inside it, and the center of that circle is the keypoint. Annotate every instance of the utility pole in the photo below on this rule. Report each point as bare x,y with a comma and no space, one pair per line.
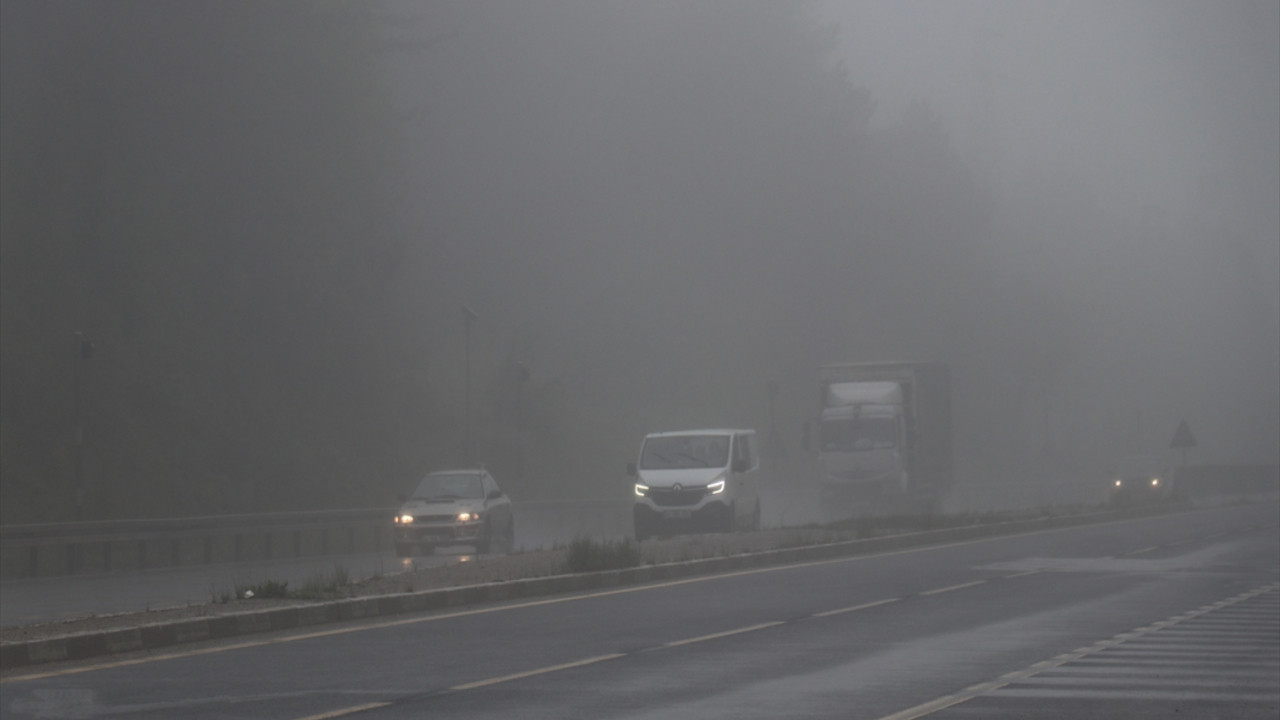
83,351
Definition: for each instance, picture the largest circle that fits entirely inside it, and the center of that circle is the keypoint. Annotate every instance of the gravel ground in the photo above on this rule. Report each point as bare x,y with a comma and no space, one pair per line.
486,569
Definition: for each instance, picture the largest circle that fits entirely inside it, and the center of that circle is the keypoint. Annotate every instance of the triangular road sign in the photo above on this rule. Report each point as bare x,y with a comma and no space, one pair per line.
1182,437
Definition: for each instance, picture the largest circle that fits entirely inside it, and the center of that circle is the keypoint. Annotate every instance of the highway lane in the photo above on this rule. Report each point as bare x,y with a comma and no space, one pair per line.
863,637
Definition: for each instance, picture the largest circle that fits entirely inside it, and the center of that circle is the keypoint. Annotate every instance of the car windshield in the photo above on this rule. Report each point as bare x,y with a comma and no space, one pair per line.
673,452
859,433
450,486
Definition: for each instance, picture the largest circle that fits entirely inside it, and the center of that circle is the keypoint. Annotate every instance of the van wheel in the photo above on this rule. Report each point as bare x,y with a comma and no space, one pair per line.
731,518
755,517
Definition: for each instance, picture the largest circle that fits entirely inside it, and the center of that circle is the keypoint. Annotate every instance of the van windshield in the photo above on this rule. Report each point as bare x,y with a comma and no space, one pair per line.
676,452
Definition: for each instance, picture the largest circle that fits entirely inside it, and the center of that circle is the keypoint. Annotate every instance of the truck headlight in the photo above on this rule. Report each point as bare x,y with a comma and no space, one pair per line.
716,487
465,516
404,519
642,490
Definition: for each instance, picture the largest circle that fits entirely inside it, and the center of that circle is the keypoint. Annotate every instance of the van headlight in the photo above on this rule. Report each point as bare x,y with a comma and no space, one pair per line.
642,490
716,487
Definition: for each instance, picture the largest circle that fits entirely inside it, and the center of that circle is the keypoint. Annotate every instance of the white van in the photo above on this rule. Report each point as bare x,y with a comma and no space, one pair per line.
696,480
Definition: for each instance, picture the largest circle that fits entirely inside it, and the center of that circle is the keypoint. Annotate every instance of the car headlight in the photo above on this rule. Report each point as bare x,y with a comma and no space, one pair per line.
404,519
642,490
716,487
465,516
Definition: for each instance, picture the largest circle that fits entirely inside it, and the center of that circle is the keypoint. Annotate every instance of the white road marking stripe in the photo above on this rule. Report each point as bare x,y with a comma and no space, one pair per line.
961,586
726,633
345,711
863,606
537,671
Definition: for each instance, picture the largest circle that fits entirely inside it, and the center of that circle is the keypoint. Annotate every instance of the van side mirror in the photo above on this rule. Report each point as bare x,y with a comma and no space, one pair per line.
739,465
804,436
631,469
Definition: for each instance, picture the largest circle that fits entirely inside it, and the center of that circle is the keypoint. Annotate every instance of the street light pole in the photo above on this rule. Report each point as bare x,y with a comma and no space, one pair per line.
468,316
83,351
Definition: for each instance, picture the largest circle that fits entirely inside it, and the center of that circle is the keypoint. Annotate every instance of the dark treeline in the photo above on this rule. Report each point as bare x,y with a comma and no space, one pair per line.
267,217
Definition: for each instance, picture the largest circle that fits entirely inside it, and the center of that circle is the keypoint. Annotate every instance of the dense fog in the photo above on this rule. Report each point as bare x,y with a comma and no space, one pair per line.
271,221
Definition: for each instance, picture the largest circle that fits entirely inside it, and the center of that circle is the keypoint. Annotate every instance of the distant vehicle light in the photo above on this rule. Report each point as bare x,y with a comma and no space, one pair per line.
1119,483
1155,482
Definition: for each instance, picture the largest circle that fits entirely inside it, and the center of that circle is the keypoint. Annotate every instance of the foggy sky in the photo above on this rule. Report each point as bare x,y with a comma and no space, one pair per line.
658,209
1163,119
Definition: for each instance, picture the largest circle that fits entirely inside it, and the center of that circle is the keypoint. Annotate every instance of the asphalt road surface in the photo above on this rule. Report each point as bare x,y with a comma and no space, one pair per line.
1170,616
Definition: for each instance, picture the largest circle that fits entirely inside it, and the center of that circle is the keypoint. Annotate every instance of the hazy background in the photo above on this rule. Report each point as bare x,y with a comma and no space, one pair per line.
268,219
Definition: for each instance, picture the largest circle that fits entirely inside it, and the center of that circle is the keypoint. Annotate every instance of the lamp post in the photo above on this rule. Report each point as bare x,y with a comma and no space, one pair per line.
468,316
522,377
83,351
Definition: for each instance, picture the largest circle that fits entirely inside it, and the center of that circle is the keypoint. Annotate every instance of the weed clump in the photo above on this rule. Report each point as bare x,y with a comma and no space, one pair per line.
586,555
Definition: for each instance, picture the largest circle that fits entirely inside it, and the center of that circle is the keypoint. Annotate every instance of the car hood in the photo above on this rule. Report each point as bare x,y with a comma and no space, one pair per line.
416,506
688,477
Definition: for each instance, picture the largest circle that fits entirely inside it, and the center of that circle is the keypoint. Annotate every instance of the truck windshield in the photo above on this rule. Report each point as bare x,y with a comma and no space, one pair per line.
676,452
450,486
859,433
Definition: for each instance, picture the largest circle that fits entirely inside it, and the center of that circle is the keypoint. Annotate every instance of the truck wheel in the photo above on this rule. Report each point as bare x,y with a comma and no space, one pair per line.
404,549
731,518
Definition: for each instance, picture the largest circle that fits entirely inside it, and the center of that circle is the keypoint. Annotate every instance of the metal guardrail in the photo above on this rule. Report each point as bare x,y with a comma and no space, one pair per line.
46,549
